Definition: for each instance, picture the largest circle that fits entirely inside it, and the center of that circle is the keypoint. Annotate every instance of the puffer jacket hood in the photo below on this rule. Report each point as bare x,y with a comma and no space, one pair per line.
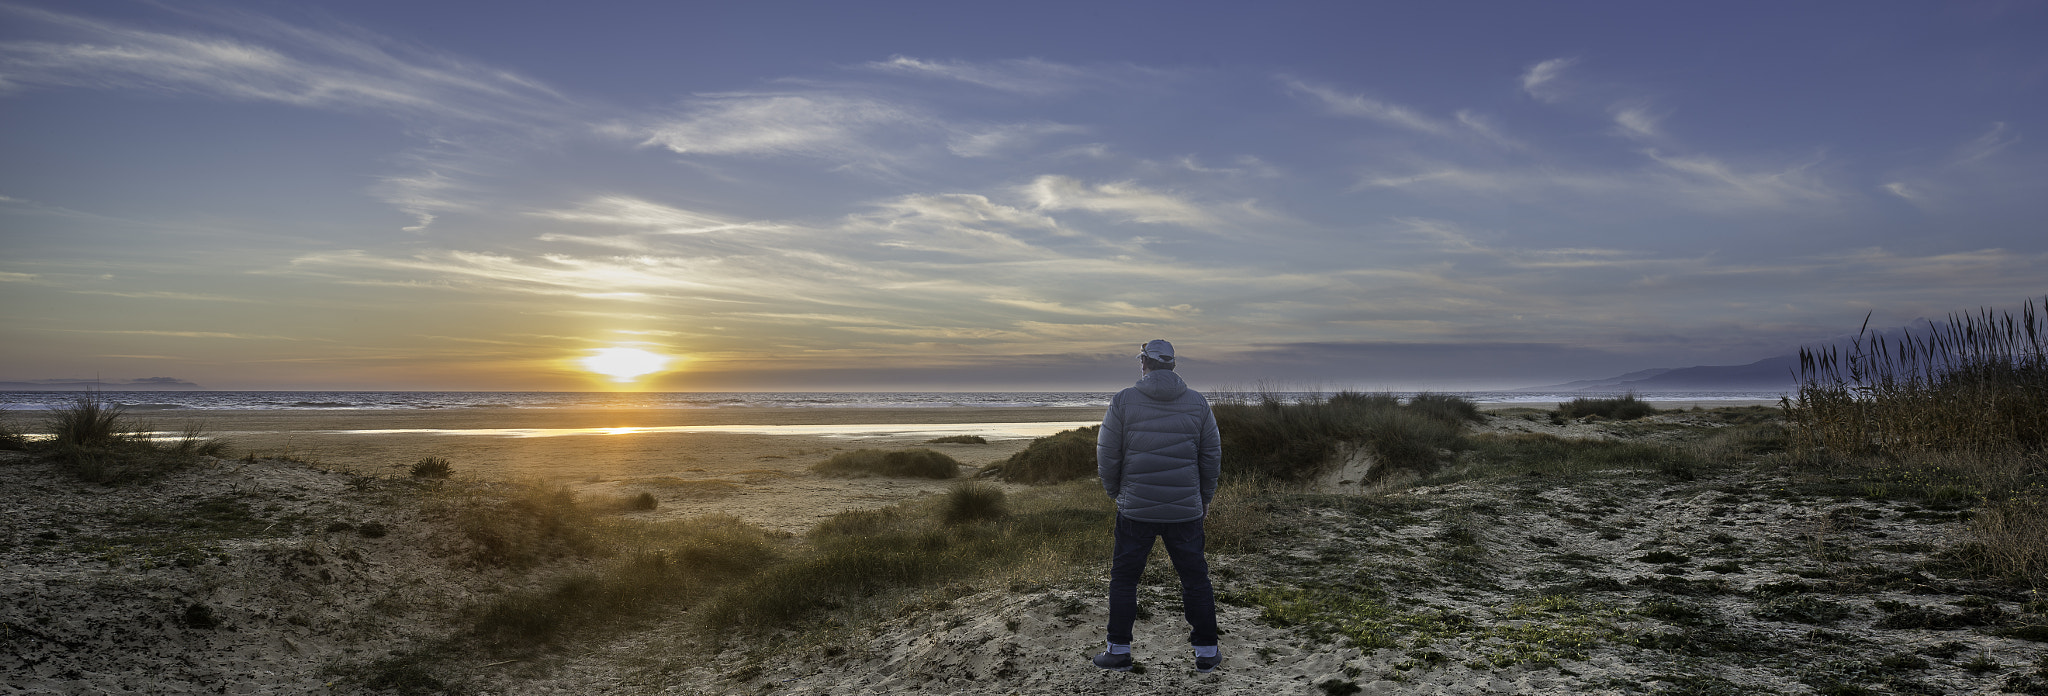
1158,452
1162,385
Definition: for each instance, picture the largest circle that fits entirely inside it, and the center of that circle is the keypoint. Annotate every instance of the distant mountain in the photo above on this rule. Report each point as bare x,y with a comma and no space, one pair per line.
1769,374
142,384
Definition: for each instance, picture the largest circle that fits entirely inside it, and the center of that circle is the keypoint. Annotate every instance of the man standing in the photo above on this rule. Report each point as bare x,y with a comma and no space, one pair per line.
1159,455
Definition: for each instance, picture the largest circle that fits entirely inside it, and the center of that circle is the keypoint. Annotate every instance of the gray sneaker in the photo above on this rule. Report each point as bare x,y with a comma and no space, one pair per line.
1206,665
1114,663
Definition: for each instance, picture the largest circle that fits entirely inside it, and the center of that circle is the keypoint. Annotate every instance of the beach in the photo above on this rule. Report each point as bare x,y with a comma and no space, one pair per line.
321,566
752,463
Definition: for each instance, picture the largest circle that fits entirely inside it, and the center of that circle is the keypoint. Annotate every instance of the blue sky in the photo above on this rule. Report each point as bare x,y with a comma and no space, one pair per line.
1000,196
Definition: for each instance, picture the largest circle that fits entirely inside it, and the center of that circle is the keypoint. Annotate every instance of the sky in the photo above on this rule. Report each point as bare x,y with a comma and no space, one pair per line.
829,196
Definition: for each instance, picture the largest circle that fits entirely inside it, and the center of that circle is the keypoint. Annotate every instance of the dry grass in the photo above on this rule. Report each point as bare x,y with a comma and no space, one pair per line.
1959,411
910,463
1266,437
859,558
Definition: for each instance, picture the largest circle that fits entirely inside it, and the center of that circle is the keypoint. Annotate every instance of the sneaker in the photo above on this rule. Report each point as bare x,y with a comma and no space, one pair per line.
1115,663
1206,665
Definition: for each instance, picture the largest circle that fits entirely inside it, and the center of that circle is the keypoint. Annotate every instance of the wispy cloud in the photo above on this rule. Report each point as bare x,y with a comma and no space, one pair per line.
1029,76
186,334
167,295
1543,80
1637,121
1363,107
627,211
1001,139
814,124
1708,180
1697,182
304,68
1121,199
1465,123
1994,140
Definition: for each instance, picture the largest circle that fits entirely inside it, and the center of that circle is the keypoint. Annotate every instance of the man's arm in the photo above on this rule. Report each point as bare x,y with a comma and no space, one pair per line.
1109,447
1209,456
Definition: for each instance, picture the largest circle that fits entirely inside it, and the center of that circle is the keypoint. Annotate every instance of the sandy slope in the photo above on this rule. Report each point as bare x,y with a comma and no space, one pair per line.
283,592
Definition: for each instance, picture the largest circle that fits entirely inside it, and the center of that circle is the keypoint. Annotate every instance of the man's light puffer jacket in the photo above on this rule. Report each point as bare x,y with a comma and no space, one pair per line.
1158,452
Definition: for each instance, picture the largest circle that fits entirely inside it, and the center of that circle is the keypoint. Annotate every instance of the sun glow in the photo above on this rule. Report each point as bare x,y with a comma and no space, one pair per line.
625,364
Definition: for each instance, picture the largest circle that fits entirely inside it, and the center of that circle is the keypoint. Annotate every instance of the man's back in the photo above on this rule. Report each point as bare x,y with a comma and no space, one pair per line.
1159,452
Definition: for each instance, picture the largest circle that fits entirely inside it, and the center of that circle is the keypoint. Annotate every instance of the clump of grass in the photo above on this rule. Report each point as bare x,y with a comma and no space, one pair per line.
958,440
432,468
1238,517
1266,437
90,421
910,463
860,555
643,501
1624,407
535,523
91,439
1062,456
973,501
12,439
1446,407
669,563
2011,539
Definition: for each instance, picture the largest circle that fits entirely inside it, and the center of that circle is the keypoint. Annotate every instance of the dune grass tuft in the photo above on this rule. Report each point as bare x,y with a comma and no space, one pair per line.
1624,407
910,463
533,523
860,556
973,501
1446,407
1062,456
958,440
1267,437
432,468
92,439
661,564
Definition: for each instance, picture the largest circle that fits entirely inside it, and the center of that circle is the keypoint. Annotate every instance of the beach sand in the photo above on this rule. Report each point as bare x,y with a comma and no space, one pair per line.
753,463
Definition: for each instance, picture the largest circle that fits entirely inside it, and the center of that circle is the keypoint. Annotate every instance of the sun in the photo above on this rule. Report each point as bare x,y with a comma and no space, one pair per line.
625,364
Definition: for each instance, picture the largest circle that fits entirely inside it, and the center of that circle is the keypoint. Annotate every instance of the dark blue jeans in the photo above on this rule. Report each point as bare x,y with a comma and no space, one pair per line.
1184,545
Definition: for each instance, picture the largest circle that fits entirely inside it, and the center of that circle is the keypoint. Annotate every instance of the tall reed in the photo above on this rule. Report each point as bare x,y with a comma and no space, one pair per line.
1958,410
1977,382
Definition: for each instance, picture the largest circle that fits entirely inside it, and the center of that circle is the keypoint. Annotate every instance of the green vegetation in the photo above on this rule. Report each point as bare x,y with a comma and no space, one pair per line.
432,468
1624,407
864,554
1957,413
1064,456
1265,437
93,440
958,440
973,501
911,463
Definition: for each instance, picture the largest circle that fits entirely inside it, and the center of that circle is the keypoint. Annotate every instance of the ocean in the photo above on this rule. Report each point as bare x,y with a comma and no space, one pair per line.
415,400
